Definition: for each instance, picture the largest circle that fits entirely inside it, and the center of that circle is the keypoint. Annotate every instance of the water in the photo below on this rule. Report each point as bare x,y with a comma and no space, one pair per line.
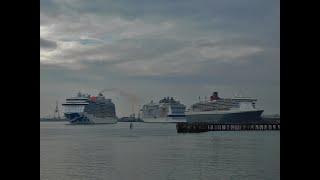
155,151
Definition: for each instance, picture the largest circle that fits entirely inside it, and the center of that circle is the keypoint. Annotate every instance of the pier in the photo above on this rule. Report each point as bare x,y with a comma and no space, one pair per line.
184,127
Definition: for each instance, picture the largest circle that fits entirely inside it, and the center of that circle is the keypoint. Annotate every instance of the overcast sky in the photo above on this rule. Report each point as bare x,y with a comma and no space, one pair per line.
151,49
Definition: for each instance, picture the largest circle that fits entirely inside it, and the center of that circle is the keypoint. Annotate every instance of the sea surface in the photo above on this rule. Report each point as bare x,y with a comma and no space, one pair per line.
155,152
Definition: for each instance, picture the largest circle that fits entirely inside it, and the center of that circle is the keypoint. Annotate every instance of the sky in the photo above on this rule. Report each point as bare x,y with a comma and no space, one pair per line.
153,49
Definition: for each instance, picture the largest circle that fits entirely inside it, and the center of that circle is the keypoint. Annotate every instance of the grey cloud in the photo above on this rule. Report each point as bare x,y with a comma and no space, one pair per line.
232,41
47,44
121,51
166,8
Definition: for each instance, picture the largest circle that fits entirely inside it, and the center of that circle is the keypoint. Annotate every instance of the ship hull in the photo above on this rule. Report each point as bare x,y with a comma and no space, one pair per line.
85,118
224,116
164,120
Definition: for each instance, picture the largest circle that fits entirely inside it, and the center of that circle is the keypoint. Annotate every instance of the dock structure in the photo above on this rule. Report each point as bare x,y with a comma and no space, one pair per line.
185,127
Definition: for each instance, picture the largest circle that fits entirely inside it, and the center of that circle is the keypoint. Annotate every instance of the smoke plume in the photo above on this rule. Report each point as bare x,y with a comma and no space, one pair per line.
133,99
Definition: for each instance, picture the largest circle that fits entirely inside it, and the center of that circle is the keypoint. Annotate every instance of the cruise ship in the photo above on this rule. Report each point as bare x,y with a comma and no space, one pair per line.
224,110
167,110
86,109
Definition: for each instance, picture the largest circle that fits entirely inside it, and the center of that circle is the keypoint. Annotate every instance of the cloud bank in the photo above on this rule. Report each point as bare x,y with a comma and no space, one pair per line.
150,47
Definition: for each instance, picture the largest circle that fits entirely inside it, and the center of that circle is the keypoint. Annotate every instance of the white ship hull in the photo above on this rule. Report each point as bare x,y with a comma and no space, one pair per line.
164,120
229,116
105,120
85,118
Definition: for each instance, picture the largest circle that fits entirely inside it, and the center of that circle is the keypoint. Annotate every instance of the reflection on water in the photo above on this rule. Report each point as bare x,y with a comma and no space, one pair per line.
155,151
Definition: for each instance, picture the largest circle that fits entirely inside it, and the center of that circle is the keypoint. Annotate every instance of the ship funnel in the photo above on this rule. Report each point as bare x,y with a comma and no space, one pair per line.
214,96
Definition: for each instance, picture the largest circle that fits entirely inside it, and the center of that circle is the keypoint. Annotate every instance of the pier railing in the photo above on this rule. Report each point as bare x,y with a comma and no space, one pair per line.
197,127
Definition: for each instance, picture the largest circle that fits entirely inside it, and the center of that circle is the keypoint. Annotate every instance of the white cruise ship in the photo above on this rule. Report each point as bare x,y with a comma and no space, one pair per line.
224,110
167,110
86,109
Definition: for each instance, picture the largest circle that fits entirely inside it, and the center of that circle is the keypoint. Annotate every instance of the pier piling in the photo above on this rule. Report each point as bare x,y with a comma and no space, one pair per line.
183,127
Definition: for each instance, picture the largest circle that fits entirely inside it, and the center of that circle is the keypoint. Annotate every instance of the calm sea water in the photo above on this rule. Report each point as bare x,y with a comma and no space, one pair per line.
155,151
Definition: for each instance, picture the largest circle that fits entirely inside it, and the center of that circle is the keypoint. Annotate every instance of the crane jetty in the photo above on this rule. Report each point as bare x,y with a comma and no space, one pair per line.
56,116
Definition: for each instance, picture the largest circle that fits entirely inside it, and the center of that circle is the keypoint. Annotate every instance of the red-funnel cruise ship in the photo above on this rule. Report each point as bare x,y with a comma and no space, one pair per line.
224,110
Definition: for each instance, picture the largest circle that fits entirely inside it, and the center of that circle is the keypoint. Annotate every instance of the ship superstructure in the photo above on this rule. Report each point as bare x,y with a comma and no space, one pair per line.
86,109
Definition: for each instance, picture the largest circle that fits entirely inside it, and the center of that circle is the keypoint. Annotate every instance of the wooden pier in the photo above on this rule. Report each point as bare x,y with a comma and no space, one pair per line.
183,127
